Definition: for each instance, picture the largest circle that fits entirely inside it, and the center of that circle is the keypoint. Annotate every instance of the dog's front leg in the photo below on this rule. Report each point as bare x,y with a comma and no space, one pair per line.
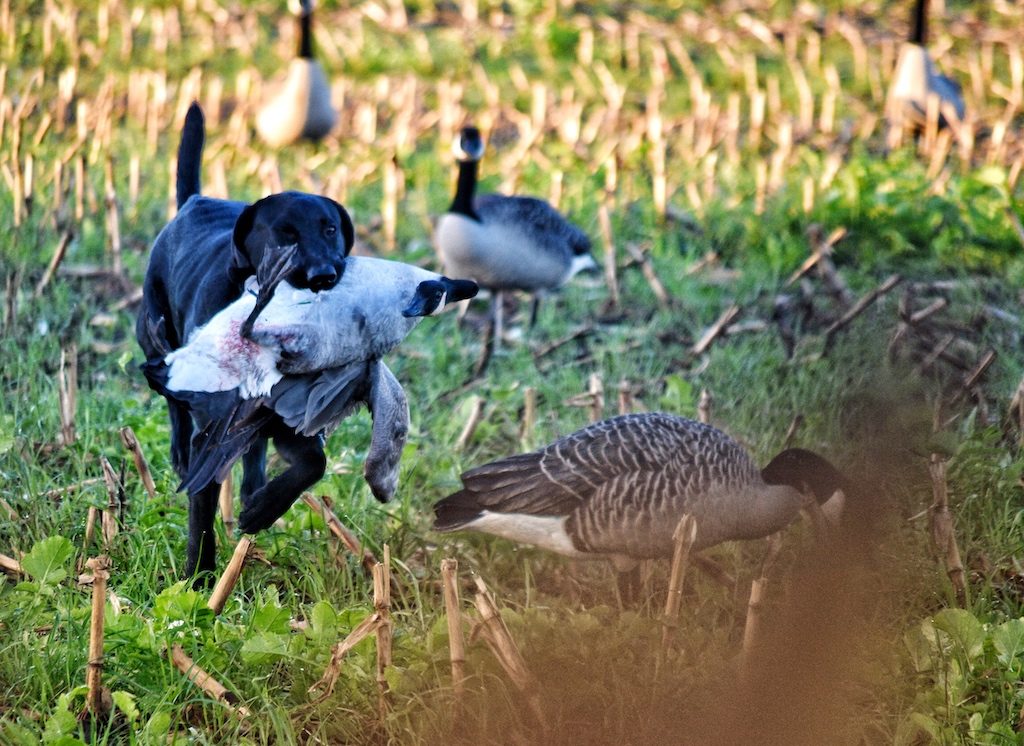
254,470
307,464
201,556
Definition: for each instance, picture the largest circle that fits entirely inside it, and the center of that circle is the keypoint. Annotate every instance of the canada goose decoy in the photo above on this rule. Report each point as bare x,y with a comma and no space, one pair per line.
617,489
916,78
506,242
308,358
300,105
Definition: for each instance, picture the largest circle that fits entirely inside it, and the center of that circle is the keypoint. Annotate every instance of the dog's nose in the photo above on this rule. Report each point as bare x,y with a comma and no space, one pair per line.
322,278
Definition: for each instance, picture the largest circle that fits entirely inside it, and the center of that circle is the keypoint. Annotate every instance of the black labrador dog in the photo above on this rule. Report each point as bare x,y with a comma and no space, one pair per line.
198,265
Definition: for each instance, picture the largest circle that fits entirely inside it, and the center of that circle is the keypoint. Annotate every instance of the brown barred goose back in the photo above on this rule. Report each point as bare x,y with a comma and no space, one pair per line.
617,489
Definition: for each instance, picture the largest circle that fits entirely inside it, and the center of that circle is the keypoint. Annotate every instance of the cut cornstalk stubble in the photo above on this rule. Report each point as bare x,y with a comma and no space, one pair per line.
141,466
343,533
226,504
204,681
683,537
382,609
943,535
230,576
115,495
10,566
858,308
453,613
361,631
715,330
757,589
97,700
492,629
67,390
704,406
476,415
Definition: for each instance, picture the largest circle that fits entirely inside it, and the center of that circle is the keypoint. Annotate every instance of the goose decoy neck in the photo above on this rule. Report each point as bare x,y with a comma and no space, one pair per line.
465,189
919,23
805,471
306,30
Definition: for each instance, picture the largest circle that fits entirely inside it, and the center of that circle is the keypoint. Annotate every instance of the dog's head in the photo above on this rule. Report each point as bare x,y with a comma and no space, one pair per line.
318,226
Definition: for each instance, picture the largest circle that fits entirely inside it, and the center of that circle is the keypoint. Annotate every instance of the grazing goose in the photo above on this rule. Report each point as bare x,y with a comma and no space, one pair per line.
617,489
916,79
300,105
503,242
306,360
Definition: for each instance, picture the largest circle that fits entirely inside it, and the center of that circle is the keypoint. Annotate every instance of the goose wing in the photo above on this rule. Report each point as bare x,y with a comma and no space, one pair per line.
567,474
228,424
218,444
317,402
535,219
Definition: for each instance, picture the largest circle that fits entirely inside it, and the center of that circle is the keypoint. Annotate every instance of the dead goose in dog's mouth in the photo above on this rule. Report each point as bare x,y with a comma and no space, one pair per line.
307,358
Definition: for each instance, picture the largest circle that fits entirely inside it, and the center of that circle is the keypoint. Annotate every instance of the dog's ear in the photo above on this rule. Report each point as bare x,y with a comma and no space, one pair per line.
348,231
241,264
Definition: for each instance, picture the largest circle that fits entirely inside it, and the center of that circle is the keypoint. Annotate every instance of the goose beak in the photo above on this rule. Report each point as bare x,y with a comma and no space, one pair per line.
584,264
460,290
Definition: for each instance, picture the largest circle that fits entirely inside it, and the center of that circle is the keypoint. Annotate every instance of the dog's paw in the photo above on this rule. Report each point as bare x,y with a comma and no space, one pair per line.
252,520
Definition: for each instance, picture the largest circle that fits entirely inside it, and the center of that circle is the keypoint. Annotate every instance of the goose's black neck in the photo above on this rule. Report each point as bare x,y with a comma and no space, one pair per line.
919,23
465,189
306,34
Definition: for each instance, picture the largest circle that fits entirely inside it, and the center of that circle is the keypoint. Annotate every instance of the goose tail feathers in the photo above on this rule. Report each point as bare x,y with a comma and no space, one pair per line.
456,511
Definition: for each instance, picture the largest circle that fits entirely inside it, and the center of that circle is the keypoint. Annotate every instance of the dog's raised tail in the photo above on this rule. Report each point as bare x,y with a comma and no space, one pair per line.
190,153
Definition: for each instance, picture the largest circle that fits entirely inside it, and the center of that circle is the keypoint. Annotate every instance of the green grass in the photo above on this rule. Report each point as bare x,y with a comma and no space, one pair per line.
862,642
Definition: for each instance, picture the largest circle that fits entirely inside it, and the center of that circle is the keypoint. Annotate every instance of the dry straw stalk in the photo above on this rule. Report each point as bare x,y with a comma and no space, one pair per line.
141,466
95,701
204,681
342,532
453,614
683,537
228,579
943,535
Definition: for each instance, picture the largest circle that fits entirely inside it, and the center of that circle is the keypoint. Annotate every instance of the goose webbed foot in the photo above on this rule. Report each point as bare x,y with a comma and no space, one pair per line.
275,266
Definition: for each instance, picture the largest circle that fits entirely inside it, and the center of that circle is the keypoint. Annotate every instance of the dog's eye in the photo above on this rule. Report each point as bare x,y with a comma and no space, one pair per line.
330,230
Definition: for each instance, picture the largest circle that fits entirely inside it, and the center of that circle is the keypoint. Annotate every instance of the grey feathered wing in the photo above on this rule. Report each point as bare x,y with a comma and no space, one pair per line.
537,219
553,481
317,402
222,441
613,473
309,404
